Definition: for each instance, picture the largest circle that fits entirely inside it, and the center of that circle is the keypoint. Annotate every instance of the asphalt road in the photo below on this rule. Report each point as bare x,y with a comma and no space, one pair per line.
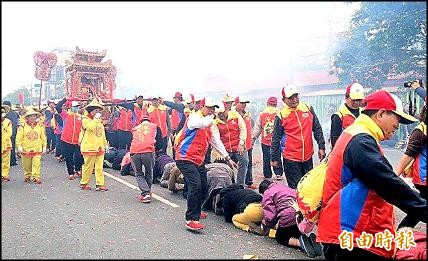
57,220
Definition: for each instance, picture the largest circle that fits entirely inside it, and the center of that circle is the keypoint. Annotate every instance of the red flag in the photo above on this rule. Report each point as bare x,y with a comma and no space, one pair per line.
21,98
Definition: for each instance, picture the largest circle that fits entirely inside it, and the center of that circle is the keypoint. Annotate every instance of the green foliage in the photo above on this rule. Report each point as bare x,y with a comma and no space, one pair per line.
13,96
385,38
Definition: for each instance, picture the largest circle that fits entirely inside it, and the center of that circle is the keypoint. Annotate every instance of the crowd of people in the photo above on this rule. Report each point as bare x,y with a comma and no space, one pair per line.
211,147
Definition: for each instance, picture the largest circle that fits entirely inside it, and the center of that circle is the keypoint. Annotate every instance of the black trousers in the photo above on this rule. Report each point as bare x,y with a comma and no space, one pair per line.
73,157
411,220
249,175
267,169
283,234
334,252
124,139
294,171
197,187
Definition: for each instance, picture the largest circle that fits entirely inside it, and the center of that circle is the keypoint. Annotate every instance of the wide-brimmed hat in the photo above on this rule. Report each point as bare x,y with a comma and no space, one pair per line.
390,102
31,111
227,98
95,103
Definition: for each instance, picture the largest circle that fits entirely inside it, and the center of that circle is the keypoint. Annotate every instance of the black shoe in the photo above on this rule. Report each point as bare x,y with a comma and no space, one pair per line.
14,164
317,246
305,244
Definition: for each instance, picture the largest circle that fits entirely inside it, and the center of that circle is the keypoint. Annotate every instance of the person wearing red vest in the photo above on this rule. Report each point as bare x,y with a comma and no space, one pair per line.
361,188
177,116
146,136
292,135
158,115
417,151
347,112
264,126
240,105
191,145
72,124
233,134
124,127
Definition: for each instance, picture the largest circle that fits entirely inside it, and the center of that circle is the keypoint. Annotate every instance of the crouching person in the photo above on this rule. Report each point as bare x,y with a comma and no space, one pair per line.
278,210
93,145
142,151
241,207
31,143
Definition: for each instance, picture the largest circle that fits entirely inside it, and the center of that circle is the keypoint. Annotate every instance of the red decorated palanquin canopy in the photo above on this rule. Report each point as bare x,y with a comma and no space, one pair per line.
87,76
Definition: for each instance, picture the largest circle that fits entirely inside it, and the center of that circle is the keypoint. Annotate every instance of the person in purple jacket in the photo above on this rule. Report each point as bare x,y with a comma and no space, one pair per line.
278,211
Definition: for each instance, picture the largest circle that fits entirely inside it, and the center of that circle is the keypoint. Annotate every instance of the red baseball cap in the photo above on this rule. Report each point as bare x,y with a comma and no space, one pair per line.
178,95
272,101
390,102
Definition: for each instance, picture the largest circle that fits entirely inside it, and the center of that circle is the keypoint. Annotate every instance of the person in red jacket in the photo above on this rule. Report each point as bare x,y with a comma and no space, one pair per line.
72,124
124,127
347,112
158,115
292,135
240,105
264,126
146,137
361,188
191,145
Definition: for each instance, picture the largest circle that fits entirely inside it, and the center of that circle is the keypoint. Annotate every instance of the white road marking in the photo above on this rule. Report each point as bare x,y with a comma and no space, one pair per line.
161,199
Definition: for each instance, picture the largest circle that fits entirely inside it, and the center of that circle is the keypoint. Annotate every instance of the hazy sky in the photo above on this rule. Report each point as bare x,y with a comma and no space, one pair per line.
162,47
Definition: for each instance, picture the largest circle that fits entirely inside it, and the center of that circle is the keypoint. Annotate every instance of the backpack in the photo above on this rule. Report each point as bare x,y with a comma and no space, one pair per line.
309,191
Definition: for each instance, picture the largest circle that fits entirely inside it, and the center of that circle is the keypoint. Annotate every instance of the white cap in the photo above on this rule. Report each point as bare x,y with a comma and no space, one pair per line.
220,108
75,103
355,91
289,90
208,102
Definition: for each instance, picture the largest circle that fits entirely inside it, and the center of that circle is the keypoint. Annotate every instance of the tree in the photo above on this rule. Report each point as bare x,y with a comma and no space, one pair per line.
13,96
385,38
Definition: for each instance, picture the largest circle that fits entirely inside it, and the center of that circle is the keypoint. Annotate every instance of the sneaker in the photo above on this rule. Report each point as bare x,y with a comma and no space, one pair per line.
70,177
85,187
101,188
14,164
194,225
279,177
37,181
5,179
27,179
203,215
145,199
78,174
252,186
305,244
317,246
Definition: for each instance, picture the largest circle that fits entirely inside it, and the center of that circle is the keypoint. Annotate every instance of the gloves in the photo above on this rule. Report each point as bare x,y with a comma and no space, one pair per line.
20,149
43,149
97,116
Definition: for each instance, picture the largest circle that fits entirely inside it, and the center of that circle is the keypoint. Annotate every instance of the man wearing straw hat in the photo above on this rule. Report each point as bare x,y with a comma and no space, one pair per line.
6,143
93,145
31,143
